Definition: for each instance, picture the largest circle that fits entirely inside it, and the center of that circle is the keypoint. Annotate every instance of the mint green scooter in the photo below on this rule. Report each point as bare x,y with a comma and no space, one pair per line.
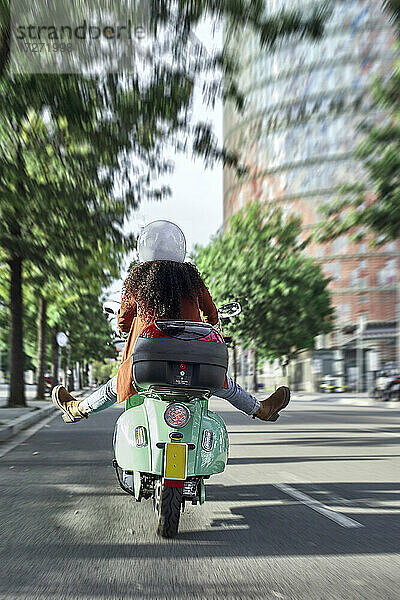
167,442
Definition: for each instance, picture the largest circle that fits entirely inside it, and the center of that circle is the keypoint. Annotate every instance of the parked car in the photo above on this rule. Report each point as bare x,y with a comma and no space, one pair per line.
332,383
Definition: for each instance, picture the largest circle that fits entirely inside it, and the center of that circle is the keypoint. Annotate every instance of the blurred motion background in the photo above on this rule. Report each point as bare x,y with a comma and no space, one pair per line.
91,133
309,106
269,131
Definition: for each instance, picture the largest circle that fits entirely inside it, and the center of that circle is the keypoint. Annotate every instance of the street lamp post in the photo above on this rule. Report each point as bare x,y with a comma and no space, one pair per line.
62,341
68,375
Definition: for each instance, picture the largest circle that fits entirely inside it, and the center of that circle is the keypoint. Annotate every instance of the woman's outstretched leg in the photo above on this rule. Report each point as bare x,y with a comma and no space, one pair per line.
266,410
238,397
75,410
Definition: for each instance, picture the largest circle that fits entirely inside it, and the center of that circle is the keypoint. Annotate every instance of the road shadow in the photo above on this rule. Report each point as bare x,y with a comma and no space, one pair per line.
109,549
296,431
271,460
357,416
238,521
267,522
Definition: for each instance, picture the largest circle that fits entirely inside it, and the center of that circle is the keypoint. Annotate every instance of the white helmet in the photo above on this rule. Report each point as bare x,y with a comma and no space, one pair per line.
161,240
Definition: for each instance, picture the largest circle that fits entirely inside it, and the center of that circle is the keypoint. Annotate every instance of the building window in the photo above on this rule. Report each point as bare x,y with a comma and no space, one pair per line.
363,299
387,275
344,312
359,276
334,270
340,245
390,247
354,278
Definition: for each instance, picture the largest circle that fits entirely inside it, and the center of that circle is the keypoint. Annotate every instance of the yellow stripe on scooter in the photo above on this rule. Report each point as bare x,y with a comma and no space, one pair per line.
175,461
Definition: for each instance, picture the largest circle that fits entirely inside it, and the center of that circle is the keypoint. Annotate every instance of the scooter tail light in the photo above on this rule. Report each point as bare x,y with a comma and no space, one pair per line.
176,415
152,331
173,483
213,336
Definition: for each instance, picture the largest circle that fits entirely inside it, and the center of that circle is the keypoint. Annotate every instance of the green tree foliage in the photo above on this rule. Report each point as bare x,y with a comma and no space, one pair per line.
103,370
259,262
78,152
372,205
56,191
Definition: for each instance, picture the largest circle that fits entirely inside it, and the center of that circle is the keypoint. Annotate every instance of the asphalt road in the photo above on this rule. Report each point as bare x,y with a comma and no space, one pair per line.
308,508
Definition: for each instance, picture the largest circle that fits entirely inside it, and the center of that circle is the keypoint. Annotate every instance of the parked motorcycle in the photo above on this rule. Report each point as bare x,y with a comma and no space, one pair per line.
167,442
387,383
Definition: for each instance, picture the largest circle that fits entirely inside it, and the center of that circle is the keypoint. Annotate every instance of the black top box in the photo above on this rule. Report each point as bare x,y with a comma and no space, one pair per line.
179,363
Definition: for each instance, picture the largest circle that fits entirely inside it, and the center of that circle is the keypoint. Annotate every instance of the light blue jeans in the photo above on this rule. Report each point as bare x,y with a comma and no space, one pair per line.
106,395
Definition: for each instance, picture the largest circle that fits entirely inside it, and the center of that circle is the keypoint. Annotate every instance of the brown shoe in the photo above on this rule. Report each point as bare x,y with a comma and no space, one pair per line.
269,409
67,403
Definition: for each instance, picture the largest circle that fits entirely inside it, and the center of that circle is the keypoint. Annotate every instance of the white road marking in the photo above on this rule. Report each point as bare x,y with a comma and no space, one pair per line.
26,434
333,497
381,432
317,506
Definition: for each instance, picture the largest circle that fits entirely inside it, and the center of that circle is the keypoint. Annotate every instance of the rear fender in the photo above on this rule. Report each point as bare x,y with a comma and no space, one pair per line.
150,414
128,455
214,461
150,458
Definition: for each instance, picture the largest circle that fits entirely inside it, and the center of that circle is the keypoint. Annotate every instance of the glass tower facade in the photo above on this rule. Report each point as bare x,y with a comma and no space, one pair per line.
305,102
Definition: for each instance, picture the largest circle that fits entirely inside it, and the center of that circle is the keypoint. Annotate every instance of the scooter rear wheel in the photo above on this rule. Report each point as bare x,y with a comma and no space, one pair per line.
169,511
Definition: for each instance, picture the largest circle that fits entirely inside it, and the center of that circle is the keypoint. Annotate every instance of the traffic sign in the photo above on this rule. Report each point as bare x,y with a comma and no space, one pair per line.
62,339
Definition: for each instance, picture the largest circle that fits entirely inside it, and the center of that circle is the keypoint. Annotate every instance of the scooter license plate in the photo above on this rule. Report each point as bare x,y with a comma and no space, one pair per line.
175,461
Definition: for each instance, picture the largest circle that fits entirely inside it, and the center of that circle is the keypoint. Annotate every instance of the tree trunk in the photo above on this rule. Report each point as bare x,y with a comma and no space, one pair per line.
16,394
41,348
54,356
63,366
234,351
255,372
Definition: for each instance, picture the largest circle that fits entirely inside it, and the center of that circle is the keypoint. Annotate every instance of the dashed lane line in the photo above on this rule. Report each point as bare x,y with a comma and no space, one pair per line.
320,508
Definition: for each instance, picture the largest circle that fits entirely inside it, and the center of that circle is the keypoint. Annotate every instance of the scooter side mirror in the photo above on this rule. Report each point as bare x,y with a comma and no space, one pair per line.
229,310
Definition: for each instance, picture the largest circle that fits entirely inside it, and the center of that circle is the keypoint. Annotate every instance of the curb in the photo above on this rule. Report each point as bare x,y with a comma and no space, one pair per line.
7,431
371,403
25,421
366,402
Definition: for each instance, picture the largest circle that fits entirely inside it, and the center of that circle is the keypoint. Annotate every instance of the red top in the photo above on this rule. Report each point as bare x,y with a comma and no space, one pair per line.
130,319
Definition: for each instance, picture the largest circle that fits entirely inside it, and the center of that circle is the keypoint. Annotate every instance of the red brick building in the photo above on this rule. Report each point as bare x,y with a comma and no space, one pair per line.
305,104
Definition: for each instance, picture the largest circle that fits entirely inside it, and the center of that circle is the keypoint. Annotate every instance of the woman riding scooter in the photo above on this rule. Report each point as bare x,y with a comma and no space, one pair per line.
163,286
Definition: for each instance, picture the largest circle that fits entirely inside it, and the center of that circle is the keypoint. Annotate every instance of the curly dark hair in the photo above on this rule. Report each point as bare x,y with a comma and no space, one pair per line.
159,286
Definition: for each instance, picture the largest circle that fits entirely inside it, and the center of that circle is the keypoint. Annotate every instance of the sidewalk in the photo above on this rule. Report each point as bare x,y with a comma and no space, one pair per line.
30,392
13,420
350,398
